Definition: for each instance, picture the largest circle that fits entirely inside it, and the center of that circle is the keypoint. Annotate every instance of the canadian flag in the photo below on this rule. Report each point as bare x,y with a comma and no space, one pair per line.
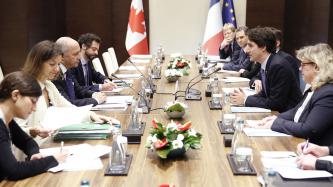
213,32
136,37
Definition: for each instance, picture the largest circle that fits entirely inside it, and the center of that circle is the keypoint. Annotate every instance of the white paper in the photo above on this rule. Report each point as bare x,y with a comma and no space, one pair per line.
143,61
278,154
124,76
246,90
236,109
296,173
57,117
229,72
131,68
81,157
115,90
111,107
235,79
262,132
119,99
142,56
213,57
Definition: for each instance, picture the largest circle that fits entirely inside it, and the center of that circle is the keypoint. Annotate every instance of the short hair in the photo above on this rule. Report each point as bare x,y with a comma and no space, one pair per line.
26,84
65,43
38,55
322,55
278,34
263,37
88,38
242,28
228,26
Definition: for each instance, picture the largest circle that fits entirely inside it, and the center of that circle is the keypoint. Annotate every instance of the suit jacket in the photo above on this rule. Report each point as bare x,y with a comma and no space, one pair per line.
231,51
82,93
11,168
316,120
251,71
242,62
294,62
93,76
282,88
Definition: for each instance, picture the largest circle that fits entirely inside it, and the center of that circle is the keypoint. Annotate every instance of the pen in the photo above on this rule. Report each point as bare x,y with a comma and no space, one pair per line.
61,146
306,145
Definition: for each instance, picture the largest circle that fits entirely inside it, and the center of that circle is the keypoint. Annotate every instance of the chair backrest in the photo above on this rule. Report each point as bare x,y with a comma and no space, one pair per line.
98,66
114,58
108,63
1,74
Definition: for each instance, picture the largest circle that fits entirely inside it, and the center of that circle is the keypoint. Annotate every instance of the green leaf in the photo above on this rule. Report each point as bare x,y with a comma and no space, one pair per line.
176,107
163,153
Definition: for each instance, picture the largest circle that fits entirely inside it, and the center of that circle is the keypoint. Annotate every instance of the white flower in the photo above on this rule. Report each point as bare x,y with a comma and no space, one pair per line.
171,126
172,72
192,132
180,137
176,144
151,138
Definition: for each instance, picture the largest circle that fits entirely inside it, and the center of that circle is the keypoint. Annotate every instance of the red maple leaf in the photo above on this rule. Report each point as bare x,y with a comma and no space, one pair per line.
136,21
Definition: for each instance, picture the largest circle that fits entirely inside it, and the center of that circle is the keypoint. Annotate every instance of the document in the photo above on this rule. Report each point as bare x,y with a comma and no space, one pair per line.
143,61
57,117
119,99
115,90
128,76
81,157
262,132
235,79
111,107
285,164
229,72
247,90
238,109
131,68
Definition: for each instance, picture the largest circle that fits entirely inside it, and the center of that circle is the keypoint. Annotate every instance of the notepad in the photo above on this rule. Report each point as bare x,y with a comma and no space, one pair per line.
236,109
246,90
110,107
229,72
131,68
262,132
235,79
126,76
119,99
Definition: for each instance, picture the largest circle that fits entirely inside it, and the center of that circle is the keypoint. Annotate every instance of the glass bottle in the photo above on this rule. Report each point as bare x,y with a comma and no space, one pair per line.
117,153
134,123
216,94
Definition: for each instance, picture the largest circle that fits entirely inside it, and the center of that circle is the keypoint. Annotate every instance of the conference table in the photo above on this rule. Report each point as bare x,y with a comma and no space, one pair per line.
207,166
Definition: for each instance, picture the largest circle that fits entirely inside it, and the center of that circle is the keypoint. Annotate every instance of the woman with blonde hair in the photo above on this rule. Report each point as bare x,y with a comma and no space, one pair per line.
312,118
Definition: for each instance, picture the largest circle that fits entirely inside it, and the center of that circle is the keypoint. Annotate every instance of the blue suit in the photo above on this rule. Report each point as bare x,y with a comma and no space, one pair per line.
243,62
282,90
231,51
93,76
316,120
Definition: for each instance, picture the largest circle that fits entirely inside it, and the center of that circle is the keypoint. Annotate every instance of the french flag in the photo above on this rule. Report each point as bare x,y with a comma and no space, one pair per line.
213,32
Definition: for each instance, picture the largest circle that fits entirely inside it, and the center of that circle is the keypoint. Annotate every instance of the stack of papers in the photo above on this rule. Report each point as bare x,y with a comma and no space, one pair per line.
81,157
128,76
262,132
235,79
119,99
235,109
84,131
131,68
285,164
110,107
248,91
229,72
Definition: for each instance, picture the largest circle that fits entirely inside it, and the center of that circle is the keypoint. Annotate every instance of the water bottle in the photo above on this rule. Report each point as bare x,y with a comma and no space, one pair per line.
117,153
216,95
237,139
134,123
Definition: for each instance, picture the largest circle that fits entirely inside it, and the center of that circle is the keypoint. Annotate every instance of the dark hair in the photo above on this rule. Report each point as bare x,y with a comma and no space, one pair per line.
263,37
23,82
39,54
88,38
242,28
278,34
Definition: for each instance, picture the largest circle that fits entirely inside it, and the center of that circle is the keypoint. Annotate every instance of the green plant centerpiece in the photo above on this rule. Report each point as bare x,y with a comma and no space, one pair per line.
175,110
174,137
180,64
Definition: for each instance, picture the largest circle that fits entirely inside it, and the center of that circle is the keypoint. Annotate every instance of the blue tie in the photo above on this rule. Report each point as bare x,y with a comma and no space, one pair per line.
70,87
87,74
263,80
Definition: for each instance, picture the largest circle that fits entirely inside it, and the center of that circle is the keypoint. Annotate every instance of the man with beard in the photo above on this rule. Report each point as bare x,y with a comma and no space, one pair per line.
85,73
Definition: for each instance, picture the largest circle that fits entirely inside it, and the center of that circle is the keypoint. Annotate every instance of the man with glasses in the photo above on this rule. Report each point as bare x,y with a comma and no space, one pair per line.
85,73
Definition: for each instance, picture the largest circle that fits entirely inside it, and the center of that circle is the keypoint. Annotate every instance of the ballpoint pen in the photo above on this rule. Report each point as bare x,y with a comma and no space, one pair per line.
306,145
61,146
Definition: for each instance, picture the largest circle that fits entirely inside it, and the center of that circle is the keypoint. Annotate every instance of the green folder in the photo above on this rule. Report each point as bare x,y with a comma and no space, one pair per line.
85,127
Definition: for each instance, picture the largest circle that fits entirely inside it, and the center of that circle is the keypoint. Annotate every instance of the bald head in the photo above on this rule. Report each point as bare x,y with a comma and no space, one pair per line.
71,51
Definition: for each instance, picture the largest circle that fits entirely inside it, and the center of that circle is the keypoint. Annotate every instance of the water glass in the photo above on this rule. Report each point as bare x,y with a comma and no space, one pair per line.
228,120
243,159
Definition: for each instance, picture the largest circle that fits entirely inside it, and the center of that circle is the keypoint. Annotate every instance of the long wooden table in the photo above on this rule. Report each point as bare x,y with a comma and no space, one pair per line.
207,166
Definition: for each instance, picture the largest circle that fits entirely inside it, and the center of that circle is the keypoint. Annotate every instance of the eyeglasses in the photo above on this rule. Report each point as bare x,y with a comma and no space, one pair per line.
307,63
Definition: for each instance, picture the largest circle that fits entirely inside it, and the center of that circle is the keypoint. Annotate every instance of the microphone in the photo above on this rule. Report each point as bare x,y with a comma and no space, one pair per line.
152,86
191,96
146,108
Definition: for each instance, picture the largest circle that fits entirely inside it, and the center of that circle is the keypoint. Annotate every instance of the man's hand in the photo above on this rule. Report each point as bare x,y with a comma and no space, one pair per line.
108,86
237,97
100,97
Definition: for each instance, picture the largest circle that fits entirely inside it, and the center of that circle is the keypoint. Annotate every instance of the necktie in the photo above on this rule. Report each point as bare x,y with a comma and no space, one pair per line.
70,87
87,74
263,80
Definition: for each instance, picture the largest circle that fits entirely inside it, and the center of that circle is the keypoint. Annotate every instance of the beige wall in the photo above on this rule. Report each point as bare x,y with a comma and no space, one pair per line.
179,24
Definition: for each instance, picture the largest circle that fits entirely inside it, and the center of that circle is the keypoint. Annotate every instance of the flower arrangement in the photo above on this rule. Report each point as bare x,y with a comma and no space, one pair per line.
164,139
179,62
172,74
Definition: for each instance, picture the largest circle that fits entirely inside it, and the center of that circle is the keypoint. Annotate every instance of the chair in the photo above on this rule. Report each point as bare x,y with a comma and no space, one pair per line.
114,58
98,66
1,74
108,64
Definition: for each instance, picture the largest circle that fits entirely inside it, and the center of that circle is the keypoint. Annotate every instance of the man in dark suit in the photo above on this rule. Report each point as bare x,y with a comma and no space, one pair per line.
229,47
67,84
280,88
85,73
243,60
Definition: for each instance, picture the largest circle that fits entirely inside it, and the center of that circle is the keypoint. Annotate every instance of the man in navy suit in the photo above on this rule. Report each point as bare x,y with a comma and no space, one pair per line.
243,61
280,90
67,84
85,73
229,47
